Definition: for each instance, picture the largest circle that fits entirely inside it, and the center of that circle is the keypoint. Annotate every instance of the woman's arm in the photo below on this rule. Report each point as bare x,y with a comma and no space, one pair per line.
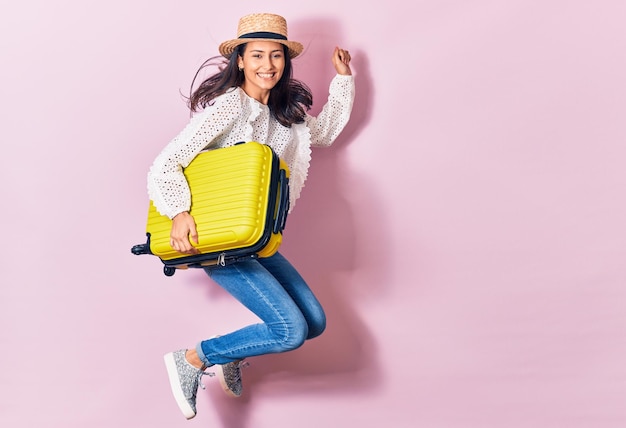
167,185
327,126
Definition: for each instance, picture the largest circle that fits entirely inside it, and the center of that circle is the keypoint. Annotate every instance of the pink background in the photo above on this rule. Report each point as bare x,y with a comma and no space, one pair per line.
466,233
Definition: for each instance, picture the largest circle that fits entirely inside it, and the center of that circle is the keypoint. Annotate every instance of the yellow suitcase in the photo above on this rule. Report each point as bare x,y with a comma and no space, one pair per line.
240,200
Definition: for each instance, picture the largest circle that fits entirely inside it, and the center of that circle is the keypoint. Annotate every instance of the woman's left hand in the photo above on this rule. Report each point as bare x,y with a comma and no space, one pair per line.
341,61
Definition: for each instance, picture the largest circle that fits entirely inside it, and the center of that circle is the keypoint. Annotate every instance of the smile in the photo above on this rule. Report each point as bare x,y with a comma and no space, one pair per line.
266,75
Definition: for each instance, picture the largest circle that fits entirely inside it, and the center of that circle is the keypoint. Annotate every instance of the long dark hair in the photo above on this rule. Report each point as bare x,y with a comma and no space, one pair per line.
289,100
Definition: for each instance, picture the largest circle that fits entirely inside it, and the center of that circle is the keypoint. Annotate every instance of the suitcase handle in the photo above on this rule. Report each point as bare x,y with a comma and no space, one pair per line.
140,249
283,202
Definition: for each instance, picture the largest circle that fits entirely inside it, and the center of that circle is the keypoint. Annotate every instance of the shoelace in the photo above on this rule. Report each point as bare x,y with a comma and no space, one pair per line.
242,364
201,373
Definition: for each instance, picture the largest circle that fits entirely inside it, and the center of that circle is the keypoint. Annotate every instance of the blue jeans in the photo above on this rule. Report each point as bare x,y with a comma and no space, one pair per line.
272,289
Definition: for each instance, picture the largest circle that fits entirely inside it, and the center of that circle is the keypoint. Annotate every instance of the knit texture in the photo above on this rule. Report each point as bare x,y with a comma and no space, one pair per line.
234,117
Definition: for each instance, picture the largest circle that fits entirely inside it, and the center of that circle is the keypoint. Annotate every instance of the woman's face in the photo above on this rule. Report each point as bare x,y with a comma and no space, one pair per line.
263,64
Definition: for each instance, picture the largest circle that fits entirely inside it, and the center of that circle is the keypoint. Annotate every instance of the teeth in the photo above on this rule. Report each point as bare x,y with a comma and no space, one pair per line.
266,75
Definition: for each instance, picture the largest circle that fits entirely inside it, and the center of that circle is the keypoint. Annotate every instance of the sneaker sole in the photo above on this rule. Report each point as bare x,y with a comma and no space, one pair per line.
179,395
220,375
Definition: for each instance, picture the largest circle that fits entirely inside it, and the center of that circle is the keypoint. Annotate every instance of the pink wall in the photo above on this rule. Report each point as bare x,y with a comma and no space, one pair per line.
466,234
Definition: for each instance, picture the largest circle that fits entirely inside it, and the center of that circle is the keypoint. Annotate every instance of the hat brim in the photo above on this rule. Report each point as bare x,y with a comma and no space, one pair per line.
228,47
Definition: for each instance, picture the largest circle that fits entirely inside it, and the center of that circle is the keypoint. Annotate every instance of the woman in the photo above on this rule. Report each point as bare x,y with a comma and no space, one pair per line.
252,98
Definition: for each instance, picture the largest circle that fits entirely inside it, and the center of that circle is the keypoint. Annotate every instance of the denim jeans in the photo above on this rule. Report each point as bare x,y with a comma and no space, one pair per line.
272,289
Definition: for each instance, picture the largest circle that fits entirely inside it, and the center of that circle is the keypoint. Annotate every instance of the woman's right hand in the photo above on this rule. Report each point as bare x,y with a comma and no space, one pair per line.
183,232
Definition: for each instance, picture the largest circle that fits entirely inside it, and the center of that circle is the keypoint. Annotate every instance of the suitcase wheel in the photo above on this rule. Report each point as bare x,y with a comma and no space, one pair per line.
168,270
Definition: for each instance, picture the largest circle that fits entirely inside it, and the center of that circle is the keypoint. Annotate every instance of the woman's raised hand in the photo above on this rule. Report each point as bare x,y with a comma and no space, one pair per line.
341,61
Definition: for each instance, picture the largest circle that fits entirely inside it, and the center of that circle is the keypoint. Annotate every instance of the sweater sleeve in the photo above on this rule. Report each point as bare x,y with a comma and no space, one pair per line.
167,186
327,126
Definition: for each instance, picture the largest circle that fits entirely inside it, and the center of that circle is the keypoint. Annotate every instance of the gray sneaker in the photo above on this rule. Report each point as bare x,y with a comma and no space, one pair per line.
184,380
230,377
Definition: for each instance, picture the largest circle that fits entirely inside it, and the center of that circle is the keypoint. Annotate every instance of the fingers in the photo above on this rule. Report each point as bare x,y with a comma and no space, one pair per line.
183,245
343,55
184,229
341,61
193,233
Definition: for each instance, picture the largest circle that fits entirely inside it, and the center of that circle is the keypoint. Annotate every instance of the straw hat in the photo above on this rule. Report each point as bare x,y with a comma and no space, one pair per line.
265,27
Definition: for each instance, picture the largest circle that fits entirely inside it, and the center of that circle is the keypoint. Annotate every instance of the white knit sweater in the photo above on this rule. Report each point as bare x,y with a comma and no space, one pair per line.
235,117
